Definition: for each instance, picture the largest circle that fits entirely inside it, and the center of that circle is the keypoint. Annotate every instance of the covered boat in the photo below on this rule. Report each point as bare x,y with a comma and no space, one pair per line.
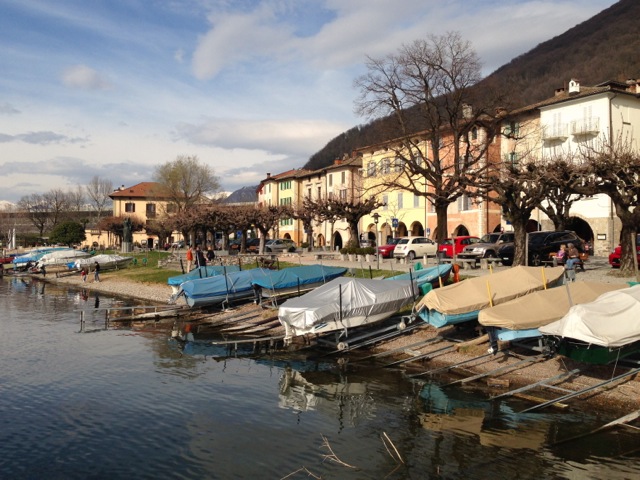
344,303
461,302
200,272
521,317
214,290
600,331
106,262
61,257
435,276
295,280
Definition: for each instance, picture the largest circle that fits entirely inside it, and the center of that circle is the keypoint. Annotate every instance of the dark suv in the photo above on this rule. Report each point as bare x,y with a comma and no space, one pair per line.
541,245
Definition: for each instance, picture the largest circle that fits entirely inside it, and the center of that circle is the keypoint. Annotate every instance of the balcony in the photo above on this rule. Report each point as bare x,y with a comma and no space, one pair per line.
586,126
555,132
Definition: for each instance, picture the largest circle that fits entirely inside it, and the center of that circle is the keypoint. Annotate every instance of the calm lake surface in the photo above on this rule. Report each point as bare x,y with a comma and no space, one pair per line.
131,404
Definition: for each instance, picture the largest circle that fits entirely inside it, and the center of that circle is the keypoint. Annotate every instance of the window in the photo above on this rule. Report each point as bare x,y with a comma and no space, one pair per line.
398,165
474,133
319,193
286,222
400,196
285,185
416,201
343,194
385,201
309,193
512,130
464,203
151,210
512,160
285,201
172,208
344,178
130,207
330,180
371,169
386,166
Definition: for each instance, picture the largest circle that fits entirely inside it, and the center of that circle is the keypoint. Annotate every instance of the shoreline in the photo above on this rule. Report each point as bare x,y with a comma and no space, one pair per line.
622,398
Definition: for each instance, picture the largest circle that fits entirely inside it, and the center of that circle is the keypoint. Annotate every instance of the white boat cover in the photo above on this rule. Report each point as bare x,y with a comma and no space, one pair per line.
612,320
544,306
473,294
347,301
104,260
59,257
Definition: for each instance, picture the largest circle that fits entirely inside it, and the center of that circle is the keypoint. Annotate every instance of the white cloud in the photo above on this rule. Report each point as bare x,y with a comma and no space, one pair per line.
81,76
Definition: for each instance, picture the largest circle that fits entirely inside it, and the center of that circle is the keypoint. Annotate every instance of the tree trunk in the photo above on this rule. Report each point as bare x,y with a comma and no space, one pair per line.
442,221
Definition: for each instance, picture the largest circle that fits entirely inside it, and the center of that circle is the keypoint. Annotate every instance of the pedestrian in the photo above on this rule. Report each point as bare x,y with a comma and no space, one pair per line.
200,260
189,258
211,255
83,275
43,270
96,272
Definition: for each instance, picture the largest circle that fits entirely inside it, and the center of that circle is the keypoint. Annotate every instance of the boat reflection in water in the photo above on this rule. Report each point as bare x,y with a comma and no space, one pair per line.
495,424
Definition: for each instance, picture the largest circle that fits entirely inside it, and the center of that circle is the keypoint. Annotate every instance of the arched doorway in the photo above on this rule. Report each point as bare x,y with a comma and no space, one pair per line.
337,241
320,240
460,231
582,228
401,231
532,226
417,230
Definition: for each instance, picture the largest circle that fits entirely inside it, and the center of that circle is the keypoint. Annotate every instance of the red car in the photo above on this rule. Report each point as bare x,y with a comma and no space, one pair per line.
386,251
614,257
460,242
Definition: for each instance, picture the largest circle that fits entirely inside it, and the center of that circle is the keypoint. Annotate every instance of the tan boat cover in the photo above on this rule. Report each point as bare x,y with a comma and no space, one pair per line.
473,294
543,307
612,320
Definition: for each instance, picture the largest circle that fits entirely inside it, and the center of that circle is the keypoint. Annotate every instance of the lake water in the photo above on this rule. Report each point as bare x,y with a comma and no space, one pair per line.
131,404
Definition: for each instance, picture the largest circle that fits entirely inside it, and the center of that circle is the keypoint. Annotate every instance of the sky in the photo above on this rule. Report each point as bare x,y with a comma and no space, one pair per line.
115,88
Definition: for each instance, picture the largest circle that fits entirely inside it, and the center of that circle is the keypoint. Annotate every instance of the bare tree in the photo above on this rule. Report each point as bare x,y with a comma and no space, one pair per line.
37,210
186,181
442,144
334,209
613,167
98,191
76,199
59,205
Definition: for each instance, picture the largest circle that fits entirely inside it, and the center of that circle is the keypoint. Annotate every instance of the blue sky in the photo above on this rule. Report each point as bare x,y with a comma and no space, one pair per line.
115,87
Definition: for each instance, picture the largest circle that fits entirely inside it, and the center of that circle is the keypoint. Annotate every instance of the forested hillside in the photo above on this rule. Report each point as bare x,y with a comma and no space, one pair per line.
602,48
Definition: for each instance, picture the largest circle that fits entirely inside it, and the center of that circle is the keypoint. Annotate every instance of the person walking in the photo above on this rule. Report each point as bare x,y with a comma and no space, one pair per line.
189,257
96,272
210,254
200,260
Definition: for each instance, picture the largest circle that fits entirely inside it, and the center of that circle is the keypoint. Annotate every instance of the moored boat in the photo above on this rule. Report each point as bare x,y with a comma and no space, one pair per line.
434,276
200,272
601,331
344,303
215,290
106,262
296,280
520,318
462,301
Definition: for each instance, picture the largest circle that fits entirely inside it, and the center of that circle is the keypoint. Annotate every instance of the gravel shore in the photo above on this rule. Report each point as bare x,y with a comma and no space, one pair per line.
623,397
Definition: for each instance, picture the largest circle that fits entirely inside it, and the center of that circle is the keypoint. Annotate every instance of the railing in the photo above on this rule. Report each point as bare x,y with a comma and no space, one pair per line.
555,132
586,126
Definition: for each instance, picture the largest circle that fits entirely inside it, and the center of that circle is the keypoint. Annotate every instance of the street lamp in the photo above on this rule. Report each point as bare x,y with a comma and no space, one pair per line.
376,218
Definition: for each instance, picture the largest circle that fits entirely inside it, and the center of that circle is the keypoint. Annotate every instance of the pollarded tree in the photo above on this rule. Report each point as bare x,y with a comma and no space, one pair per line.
613,167
333,209
441,142
68,233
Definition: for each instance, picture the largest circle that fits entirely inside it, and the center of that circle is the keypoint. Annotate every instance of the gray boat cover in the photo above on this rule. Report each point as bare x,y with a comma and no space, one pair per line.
612,320
473,294
344,298
544,306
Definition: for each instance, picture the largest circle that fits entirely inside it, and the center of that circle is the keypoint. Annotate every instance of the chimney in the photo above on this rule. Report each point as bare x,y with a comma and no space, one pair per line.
559,91
337,161
574,87
268,175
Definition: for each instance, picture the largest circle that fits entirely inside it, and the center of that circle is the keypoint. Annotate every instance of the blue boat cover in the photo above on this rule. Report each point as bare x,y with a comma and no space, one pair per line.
302,275
203,272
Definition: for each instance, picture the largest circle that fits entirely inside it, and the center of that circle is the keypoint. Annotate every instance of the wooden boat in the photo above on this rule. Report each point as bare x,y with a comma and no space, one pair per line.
200,272
344,303
601,331
461,302
520,318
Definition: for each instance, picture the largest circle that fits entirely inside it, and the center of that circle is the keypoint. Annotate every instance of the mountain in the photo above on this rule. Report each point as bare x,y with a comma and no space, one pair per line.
602,48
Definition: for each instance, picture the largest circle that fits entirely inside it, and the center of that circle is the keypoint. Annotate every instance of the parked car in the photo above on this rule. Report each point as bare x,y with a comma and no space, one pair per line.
412,247
280,245
179,244
614,257
541,246
386,251
447,246
487,247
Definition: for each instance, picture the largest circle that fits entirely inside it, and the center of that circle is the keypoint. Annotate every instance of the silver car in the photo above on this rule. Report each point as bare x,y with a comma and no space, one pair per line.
280,245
